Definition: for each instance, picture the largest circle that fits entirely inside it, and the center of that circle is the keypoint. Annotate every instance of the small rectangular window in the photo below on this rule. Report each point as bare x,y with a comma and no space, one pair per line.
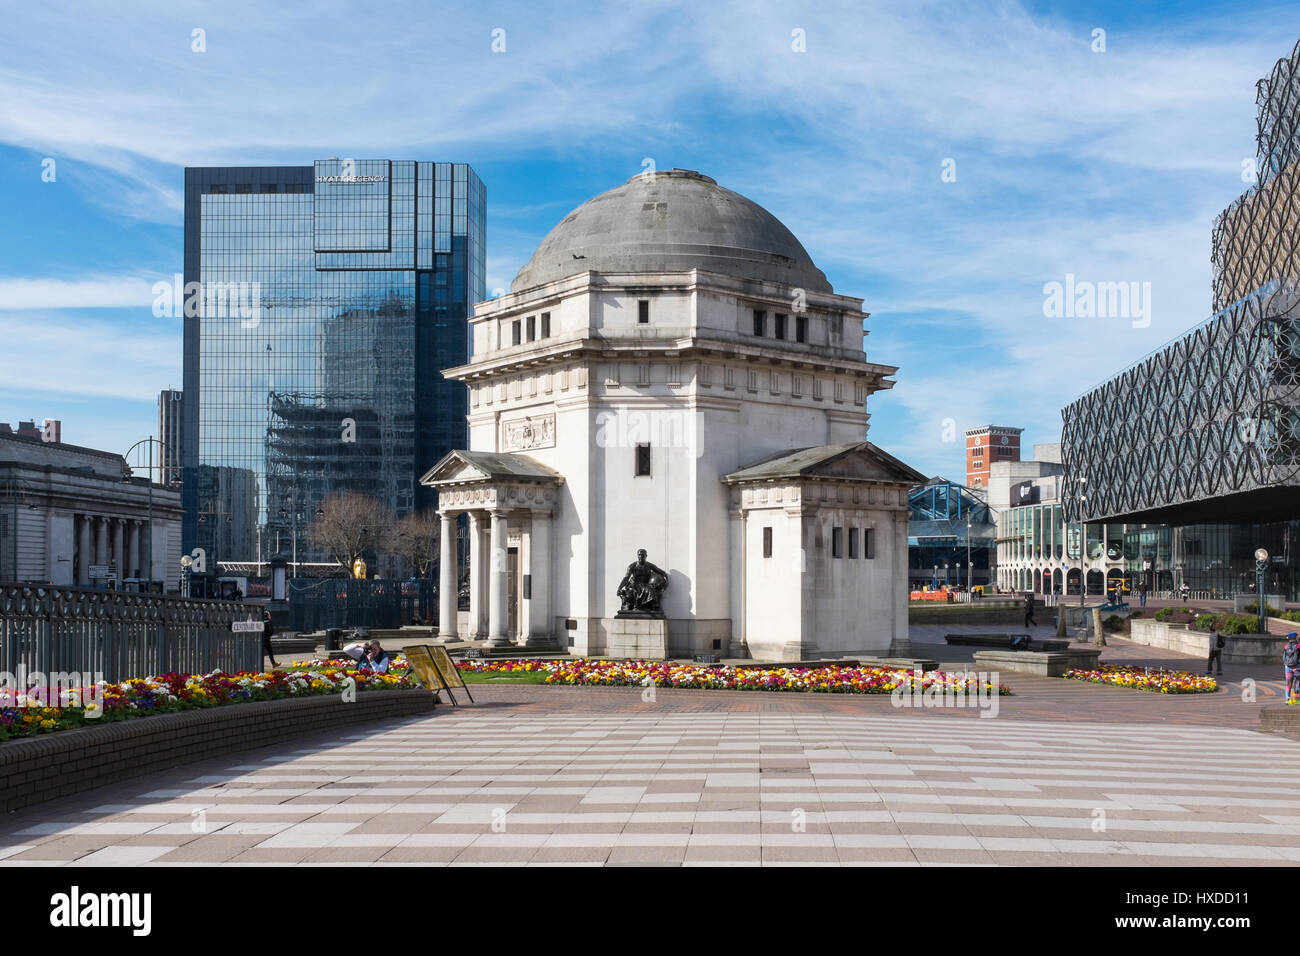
643,311
759,320
295,188
243,187
269,188
780,326
546,325
767,542
514,332
217,188
853,542
868,543
532,327
837,542
643,461
801,328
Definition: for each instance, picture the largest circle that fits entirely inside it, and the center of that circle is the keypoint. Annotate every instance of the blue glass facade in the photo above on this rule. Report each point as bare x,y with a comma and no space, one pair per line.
329,300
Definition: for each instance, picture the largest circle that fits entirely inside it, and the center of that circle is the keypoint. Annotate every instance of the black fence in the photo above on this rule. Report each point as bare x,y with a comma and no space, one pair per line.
319,603
117,635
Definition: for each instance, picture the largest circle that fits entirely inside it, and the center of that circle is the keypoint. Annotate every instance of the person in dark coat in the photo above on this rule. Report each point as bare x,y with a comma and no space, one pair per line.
268,628
1217,644
1029,611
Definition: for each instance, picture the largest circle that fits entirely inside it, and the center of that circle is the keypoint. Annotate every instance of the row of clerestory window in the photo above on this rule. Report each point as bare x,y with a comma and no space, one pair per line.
781,326
536,326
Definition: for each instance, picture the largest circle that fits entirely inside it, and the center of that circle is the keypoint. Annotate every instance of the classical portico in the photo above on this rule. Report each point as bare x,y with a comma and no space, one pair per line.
510,501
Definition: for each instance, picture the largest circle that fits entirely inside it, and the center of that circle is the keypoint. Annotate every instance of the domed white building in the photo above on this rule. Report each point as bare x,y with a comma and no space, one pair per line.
670,371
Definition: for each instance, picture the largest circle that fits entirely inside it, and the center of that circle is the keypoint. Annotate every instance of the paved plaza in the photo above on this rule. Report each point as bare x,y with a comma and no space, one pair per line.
1066,774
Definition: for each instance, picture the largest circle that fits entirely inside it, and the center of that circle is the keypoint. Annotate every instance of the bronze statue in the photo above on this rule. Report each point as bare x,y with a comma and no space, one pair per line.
642,587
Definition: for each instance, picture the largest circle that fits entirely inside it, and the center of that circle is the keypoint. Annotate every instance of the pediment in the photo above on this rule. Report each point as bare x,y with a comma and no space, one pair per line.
461,466
858,461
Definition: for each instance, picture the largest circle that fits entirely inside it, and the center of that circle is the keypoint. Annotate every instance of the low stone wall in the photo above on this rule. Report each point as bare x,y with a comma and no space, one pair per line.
36,769
1038,663
1280,720
1240,648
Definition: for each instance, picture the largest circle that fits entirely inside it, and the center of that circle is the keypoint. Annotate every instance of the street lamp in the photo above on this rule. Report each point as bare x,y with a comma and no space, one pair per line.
934,579
155,461
970,571
1083,541
1261,565
186,561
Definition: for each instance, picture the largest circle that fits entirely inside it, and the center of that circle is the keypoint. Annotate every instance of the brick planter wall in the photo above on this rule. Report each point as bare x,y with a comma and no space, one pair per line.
36,769
1280,720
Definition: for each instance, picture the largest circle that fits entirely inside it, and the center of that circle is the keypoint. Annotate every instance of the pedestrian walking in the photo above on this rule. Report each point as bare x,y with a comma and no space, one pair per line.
1290,661
1142,595
1186,591
1217,644
268,628
1029,611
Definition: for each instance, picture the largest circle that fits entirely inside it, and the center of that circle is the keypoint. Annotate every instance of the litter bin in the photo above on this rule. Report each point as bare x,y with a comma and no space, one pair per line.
332,635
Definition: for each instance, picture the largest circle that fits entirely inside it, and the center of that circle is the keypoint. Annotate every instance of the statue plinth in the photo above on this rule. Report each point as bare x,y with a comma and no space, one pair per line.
641,615
637,637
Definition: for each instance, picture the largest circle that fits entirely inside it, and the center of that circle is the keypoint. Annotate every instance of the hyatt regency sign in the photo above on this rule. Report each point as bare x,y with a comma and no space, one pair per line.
352,180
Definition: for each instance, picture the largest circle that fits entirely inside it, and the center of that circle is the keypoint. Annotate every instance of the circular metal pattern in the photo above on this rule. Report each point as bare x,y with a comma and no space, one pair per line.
1215,413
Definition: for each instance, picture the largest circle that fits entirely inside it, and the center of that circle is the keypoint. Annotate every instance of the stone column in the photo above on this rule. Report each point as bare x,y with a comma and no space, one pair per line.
447,578
736,647
498,584
132,549
83,550
101,541
539,570
116,534
478,576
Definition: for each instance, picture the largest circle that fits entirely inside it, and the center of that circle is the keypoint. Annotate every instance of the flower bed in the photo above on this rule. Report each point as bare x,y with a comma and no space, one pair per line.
830,679
42,710
1157,680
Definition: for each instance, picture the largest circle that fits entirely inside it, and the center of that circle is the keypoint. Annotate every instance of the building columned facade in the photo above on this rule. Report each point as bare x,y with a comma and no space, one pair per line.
321,304
76,516
671,372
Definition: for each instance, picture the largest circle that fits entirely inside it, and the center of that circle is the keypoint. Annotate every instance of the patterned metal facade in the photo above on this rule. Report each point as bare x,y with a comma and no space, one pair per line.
1210,424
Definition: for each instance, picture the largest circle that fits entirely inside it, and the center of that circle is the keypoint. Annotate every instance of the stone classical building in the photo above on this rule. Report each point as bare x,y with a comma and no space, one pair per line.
69,517
670,371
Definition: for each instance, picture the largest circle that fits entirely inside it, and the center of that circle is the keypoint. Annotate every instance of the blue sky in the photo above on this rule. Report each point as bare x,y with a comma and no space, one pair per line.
1109,166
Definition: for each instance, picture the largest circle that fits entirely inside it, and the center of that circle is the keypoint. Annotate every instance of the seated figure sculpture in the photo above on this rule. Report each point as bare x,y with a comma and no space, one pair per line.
642,587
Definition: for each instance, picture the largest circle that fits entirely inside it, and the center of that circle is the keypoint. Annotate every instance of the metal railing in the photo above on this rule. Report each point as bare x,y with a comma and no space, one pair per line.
119,635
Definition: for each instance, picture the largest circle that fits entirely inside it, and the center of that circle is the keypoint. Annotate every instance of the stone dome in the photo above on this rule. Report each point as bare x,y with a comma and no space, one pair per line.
672,221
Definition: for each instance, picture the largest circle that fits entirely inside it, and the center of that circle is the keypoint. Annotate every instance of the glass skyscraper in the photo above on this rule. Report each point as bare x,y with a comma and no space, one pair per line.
329,298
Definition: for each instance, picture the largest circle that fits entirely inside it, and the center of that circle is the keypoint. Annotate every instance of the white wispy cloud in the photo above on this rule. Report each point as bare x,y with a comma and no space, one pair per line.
106,292
63,357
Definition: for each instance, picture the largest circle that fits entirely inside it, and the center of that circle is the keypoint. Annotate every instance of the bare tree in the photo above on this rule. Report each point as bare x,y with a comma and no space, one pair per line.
416,538
351,524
